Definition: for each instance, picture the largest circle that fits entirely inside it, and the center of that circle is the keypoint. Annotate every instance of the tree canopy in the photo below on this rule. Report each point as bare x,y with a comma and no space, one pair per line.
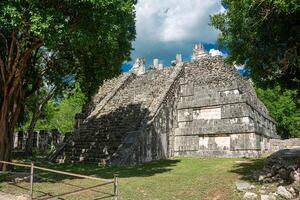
284,107
52,41
264,37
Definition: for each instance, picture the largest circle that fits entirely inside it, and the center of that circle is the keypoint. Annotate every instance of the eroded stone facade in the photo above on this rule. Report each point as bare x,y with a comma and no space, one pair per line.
202,107
219,113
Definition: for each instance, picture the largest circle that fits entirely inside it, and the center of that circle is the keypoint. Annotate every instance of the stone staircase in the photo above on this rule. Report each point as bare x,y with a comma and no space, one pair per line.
102,133
97,140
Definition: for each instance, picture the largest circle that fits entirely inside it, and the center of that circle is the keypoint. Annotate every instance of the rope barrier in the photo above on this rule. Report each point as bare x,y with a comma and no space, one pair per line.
58,172
32,167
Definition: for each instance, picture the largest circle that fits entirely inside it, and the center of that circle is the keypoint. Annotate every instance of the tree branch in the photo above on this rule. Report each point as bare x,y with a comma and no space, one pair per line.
34,58
35,87
11,50
23,61
16,60
49,95
2,70
28,52
5,40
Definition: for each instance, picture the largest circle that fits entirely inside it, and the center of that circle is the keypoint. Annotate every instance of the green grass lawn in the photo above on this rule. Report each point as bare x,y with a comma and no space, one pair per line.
178,178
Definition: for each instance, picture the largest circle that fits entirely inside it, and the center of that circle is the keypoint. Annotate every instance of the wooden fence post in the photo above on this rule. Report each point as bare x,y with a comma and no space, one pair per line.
31,181
115,187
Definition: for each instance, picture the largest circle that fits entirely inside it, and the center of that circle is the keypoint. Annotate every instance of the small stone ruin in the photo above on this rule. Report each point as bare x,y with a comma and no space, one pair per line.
42,140
202,107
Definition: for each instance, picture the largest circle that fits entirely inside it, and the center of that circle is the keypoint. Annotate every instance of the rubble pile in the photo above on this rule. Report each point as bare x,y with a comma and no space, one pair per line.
280,176
282,166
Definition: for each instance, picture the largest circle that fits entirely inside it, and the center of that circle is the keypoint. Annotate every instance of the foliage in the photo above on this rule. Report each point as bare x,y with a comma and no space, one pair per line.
64,113
263,36
59,113
284,106
87,38
50,42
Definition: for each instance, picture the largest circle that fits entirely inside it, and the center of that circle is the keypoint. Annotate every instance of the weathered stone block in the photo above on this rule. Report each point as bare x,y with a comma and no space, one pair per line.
207,113
186,90
186,143
185,115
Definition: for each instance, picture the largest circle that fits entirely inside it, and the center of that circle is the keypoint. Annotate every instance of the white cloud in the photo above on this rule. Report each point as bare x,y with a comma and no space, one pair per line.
215,52
165,27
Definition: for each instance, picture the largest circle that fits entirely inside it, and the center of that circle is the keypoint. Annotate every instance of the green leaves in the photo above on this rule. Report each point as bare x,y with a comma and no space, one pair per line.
82,40
79,34
58,113
264,36
10,17
284,106
61,114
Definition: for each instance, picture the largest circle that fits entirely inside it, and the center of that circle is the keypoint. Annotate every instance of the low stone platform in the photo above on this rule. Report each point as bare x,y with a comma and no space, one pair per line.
278,144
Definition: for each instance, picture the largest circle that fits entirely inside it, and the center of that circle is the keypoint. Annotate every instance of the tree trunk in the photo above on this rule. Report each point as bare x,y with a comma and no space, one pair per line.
4,127
35,116
10,110
4,139
29,141
13,68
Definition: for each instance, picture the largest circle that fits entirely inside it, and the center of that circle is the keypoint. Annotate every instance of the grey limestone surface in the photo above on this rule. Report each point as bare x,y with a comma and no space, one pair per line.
201,107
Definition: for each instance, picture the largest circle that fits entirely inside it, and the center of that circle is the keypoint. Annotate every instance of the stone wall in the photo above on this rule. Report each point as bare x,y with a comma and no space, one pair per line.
219,113
277,144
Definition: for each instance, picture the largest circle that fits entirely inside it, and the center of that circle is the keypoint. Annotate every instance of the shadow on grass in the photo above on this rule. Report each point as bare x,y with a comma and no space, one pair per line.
144,170
247,167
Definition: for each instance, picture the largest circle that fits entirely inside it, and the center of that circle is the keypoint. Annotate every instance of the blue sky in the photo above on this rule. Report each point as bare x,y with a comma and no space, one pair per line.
167,27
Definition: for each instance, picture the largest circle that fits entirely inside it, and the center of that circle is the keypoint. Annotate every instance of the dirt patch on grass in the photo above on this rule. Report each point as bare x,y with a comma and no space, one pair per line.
216,196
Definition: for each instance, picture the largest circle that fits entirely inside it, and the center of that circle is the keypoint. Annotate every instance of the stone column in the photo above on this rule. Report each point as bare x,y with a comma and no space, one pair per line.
42,140
24,139
20,140
198,52
138,67
56,137
160,66
35,140
15,144
79,118
38,139
178,58
155,63
48,139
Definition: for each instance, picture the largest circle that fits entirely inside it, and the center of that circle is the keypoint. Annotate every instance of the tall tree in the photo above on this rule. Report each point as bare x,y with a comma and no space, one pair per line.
51,40
264,36
284,106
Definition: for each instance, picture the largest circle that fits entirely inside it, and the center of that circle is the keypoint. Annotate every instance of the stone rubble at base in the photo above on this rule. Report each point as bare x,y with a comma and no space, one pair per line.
250,195
202,107
282,191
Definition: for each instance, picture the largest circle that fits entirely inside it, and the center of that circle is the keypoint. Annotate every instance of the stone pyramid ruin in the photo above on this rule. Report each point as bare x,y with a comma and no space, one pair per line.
202,107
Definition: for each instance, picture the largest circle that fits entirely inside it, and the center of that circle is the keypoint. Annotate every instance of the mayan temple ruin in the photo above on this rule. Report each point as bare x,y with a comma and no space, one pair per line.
202,107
